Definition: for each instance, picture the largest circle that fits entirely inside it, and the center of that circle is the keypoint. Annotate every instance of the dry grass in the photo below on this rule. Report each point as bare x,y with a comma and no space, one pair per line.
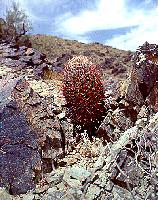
53,46
109,58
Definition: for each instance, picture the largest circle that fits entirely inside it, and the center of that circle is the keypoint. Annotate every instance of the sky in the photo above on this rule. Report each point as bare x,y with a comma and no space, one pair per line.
123,24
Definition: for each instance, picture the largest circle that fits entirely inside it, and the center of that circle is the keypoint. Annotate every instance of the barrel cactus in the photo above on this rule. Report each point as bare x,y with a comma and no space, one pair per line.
84,93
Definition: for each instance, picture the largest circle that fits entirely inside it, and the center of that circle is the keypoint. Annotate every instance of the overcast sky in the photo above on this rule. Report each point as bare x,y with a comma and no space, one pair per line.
124,24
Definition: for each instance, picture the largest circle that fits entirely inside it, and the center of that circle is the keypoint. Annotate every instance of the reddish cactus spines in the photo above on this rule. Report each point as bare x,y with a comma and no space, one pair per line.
84,92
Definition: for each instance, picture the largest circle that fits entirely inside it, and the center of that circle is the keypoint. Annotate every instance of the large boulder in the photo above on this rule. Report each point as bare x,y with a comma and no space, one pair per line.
143,84
20,160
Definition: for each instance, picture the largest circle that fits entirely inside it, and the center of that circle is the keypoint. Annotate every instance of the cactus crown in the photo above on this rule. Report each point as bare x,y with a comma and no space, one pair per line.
84,92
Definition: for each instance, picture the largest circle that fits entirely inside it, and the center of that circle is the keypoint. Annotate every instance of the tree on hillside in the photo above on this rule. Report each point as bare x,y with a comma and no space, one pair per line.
16,23
2,21
2,27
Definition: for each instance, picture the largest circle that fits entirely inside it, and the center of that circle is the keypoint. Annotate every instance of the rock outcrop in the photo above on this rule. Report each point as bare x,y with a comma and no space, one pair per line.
143,87
23,61
33,129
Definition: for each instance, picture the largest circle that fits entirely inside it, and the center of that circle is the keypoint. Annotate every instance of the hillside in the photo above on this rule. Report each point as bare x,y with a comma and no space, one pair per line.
114,62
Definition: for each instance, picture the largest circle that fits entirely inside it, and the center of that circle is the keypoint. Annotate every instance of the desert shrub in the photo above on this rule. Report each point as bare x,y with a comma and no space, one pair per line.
15,23
2,28
24,40
84,93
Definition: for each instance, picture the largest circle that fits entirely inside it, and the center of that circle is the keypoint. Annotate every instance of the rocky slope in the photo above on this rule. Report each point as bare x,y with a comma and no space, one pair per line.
114,62
40,159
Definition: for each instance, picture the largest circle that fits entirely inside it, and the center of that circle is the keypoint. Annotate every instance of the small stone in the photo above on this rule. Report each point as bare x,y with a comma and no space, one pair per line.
55,178
103,179
61,186
93,192
52,190
41,189
78,173
4,195
109,185
73,183
29,52
61,115
76,193
99,162
56,195
28,196
141,122
143,113
120,193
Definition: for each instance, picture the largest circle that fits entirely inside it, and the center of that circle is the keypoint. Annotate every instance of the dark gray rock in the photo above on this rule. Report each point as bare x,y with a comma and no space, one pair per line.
144,76
19,156
58,62
22,58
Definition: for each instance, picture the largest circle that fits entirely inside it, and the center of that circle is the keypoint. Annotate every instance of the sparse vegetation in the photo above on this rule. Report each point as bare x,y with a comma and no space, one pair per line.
15,24
53,46
110,59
